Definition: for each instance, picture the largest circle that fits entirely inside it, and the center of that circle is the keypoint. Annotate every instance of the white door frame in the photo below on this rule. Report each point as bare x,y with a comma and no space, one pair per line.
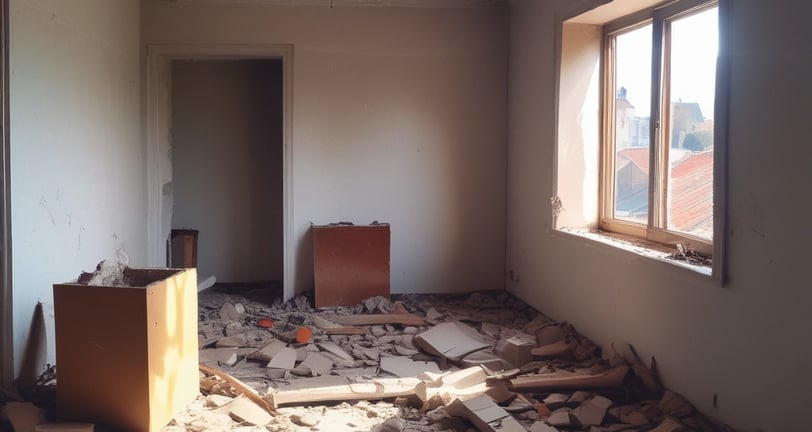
159,136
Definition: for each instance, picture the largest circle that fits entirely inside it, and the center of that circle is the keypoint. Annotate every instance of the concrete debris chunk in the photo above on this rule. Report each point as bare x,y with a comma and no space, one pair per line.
562,418
335,349
317,363
486,358
405,367
556,400
452,340
305,420
592,411
285,358
223,356
232,341
490,329
268,351
228,312
485,415
516,350
244,410
433,314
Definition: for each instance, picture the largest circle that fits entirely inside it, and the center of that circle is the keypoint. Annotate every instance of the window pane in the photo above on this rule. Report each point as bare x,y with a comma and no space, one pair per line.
692,88
632,107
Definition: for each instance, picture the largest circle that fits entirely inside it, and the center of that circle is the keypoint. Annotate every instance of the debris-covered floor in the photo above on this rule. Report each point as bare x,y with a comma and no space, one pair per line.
484,361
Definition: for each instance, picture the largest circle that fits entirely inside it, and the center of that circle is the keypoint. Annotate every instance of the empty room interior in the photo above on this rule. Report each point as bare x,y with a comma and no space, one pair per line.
405,215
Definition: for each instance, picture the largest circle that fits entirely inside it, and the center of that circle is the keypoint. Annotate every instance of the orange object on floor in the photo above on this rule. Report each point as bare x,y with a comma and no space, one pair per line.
265,322
303,334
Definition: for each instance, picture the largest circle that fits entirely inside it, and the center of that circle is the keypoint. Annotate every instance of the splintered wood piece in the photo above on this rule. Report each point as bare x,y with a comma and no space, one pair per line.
331,389
241,388
345,330
612,378
556,349
376,319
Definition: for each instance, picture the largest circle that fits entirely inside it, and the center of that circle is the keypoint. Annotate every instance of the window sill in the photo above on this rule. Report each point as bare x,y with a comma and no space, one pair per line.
638,247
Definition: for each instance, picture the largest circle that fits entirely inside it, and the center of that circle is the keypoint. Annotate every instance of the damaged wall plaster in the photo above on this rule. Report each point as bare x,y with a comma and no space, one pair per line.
708,340
77,181
399,116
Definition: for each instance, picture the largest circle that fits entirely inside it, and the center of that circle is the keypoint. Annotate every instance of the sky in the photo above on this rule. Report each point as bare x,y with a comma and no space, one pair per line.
693,54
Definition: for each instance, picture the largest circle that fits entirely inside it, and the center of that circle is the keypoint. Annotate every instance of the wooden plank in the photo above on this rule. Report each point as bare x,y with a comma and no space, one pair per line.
571,381
382,388
241,388
345,330
376,319
557,349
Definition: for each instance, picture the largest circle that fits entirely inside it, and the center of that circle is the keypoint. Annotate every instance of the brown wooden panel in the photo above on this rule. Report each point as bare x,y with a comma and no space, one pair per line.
351,263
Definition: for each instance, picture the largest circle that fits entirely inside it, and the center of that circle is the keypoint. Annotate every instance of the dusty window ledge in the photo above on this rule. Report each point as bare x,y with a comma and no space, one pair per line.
637,246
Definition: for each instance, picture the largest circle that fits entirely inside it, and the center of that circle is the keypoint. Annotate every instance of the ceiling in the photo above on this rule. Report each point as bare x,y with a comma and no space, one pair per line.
446,4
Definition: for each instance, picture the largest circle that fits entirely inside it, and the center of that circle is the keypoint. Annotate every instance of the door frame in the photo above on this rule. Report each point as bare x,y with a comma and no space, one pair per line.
159,138
6,308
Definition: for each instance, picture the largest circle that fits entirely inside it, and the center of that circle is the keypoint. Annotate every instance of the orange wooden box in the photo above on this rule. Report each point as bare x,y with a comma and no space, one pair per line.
351,263
127,356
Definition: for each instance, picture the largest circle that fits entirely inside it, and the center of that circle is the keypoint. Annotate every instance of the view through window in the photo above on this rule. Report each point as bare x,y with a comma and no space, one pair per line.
681,135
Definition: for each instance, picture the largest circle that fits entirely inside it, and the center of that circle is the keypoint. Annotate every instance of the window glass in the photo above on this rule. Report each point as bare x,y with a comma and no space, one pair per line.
632,84
691,89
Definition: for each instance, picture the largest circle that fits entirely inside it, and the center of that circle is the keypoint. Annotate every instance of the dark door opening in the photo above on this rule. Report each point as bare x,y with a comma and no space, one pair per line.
227,159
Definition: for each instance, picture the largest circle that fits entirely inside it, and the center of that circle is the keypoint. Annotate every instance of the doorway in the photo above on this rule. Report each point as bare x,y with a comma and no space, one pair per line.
227,167
159,123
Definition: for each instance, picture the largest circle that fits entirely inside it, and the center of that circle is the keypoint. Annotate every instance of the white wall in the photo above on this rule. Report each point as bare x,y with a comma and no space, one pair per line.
77,182
227,165
399,116
747,342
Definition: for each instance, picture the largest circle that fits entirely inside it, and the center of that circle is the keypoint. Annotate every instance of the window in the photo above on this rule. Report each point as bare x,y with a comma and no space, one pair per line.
657,142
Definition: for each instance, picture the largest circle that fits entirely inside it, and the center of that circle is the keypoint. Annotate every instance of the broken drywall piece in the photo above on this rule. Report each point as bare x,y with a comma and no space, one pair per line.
452,340
516,350
285,358
244,410
231,341
485,414
268,351
317,363
206,283
336,350
486,358
228,312
24,416
562,418
405,367
592,411
223,356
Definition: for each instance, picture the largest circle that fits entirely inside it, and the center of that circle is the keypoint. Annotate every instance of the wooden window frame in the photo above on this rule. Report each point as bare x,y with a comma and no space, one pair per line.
654,230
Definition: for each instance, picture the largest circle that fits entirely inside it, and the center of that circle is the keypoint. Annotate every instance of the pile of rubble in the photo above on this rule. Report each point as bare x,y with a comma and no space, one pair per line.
484,361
